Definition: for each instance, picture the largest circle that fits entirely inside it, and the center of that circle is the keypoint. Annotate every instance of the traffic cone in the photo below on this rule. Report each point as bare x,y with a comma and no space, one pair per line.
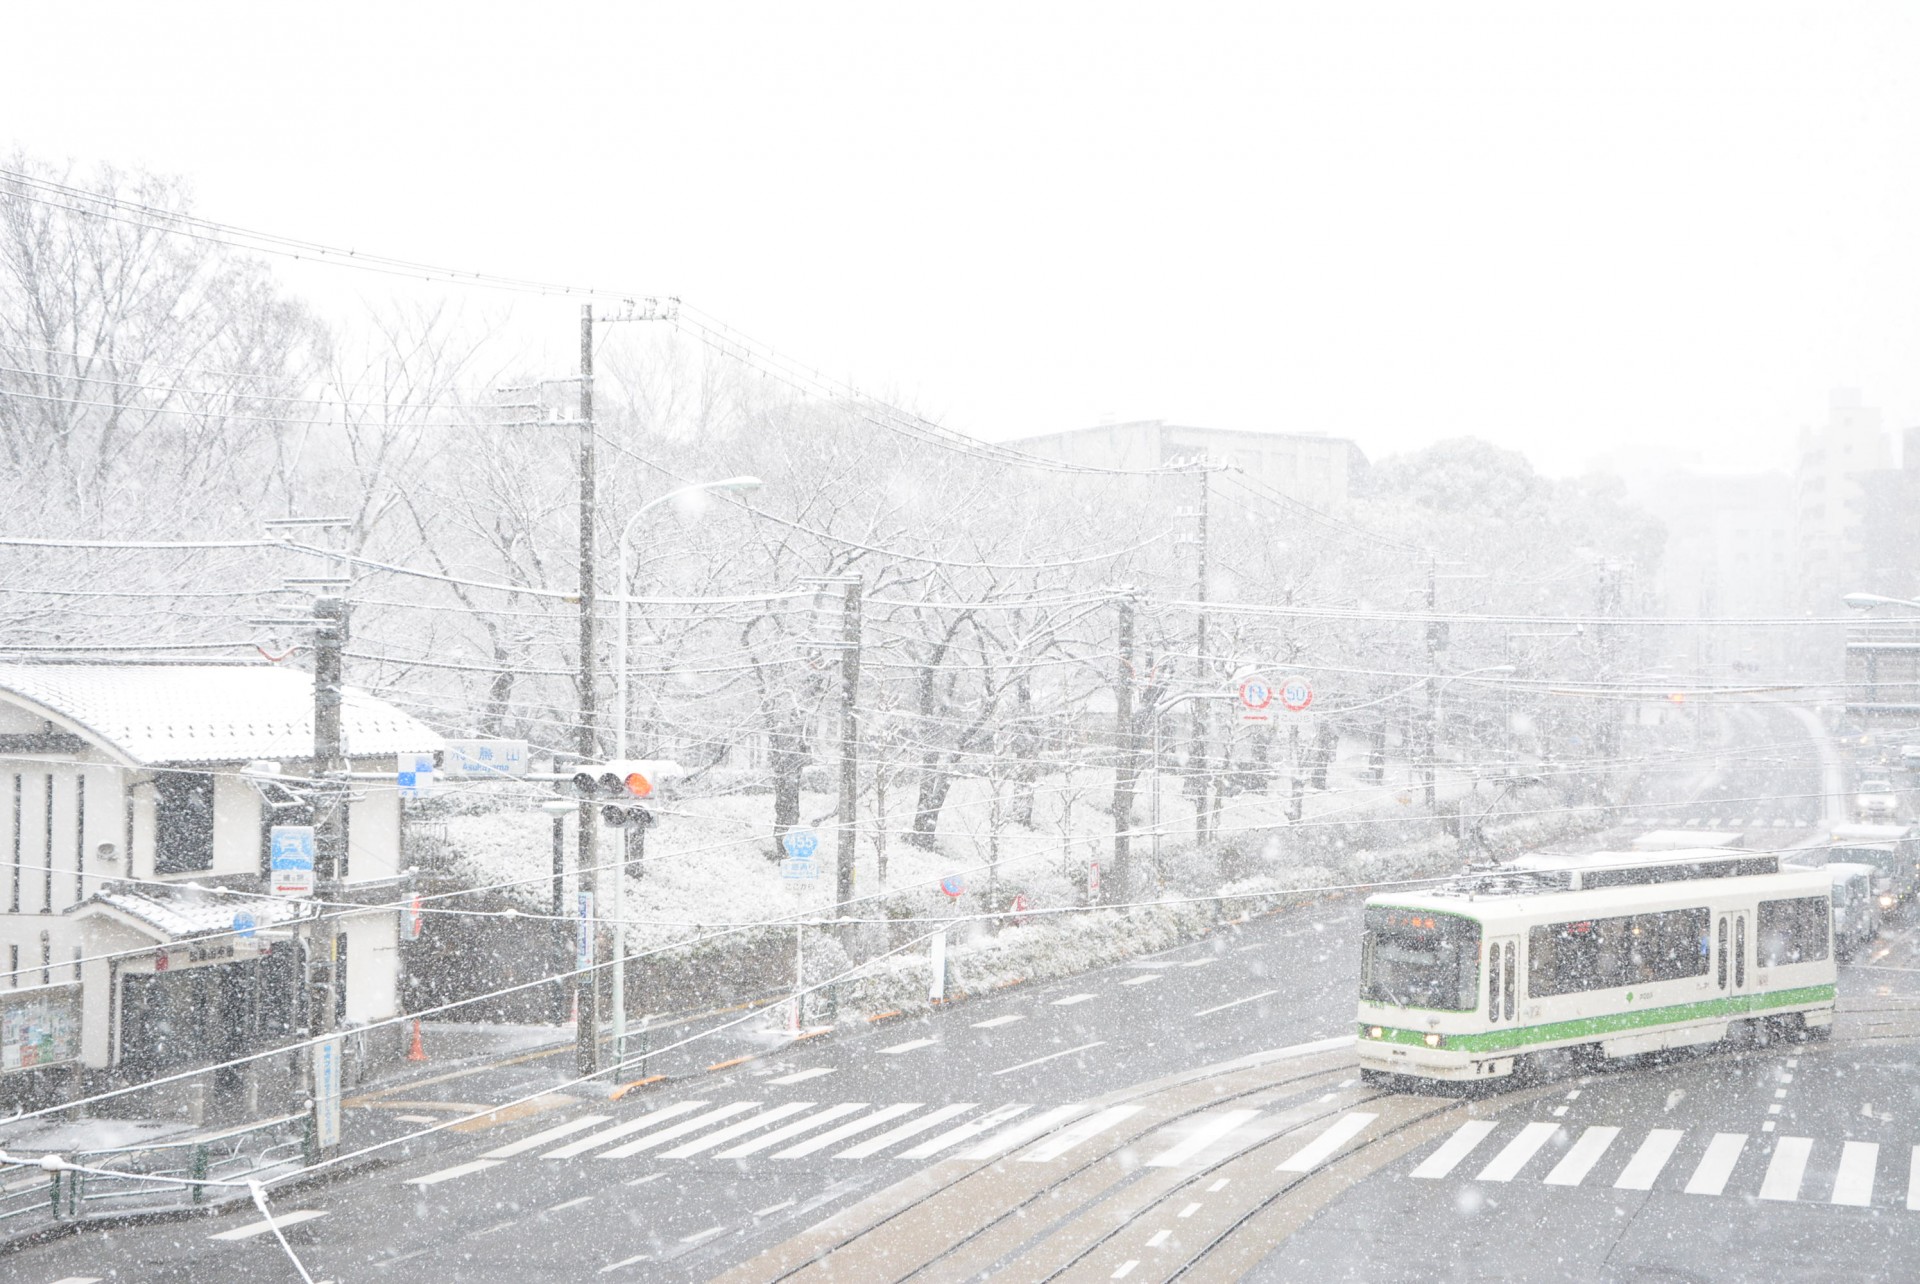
417,1052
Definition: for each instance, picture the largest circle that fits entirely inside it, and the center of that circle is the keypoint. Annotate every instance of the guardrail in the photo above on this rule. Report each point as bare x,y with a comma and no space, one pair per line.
154,1176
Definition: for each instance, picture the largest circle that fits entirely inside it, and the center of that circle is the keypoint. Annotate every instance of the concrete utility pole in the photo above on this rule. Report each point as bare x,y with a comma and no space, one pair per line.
1200,766
1126,769
587,986
854,590
329,796
1436,643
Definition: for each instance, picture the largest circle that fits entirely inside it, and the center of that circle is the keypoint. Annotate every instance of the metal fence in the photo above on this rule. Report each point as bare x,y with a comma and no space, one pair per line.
153,1176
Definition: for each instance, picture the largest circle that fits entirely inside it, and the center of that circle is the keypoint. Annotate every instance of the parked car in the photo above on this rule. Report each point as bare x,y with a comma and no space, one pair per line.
1876,800
1910,757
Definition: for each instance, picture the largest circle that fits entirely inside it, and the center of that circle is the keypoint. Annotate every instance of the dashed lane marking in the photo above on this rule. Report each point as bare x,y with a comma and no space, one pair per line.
540,1139
771,1210
458,1170
292,1217
1072,999
606,1136
1009,1019
802,1076
572,1203
1125,1269
1158,1238
1142,979
1251,998
1051,1056
909,1046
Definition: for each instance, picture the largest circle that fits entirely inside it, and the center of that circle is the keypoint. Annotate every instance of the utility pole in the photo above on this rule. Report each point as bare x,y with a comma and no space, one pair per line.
1126,765
587,985
853,590
1436,643
329,795
1200,767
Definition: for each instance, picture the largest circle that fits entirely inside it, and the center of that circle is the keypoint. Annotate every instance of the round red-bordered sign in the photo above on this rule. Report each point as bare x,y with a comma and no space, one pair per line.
1296,694
1255,694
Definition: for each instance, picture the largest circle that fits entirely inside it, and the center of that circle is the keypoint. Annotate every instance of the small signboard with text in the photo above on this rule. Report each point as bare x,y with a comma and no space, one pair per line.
472,759
290,860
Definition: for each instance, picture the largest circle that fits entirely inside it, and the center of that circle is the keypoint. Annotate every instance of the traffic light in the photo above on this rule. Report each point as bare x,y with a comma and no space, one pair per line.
621,785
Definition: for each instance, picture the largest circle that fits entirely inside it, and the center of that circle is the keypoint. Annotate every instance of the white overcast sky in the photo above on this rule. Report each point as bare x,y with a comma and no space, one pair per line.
1572,229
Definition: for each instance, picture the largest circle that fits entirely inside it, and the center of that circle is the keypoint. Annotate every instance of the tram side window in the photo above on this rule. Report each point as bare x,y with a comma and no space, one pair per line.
1793,931
1601,953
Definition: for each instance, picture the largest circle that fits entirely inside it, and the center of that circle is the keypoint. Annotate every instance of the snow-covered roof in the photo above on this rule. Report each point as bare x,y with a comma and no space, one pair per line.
160,713
182,912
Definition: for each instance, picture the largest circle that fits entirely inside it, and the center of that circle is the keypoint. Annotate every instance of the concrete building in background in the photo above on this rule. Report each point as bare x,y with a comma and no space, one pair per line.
1830,509
1313,469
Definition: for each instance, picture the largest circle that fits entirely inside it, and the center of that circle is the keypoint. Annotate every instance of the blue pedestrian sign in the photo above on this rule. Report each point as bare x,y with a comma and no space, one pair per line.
290,859
243,925
800,843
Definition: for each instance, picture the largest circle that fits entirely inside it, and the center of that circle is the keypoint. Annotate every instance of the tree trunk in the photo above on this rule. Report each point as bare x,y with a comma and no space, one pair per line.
786,757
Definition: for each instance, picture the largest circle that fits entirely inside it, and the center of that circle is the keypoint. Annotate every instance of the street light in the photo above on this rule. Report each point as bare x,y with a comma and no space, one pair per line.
620,747
620,633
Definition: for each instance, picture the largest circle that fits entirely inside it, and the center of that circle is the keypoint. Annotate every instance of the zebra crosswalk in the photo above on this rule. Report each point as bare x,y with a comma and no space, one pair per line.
1780,1168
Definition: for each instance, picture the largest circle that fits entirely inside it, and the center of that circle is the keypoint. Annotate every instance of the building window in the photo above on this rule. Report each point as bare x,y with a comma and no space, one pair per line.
183,822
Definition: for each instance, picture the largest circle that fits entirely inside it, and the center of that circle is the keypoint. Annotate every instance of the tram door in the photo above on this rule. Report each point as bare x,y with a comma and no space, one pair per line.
1502,958
1730,953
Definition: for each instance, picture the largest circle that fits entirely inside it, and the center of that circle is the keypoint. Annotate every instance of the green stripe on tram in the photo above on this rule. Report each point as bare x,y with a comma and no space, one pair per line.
1588,1027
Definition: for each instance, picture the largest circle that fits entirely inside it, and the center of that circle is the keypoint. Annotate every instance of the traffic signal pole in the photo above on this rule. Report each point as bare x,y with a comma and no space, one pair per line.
586,986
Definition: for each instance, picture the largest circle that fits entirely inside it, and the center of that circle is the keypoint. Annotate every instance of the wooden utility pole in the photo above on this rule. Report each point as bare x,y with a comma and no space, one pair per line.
587,985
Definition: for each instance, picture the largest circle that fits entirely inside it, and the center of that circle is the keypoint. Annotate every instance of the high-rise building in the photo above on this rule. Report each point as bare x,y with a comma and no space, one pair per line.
1830,513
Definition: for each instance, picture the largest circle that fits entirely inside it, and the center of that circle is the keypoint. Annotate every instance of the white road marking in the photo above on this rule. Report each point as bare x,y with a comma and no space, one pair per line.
606,1136
1779,1092
1021,1133
458,1170
1506,1165
625,1261
1866,1108
803,1075
1009,1019
1723,1152
1072,999
79,1279
1251,998
1853,1184
972,1128
1199,962
1786,1169
1786,1078
1219,1185
1558,1111
1457,1147
846,1130
1581,1157
572,1203
263,1227
540,1139
1051,1056
1321,1148
1158,1238
1210,1130
1768,1126
1142,979
908,1046
793,1130
680,1129
1188,1211
416,1119
1775,1108
1913,1181
752,1123
700,1235
1125,1269
912,1128
1647,1162
641,1181
1087,1129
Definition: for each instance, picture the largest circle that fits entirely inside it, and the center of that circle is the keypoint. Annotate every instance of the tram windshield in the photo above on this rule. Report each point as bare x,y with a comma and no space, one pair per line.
1420,959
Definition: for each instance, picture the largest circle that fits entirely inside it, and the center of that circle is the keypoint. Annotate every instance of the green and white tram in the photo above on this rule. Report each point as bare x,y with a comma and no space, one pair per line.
1615,956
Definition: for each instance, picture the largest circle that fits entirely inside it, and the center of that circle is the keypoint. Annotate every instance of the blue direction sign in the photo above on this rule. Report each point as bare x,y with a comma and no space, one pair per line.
800,843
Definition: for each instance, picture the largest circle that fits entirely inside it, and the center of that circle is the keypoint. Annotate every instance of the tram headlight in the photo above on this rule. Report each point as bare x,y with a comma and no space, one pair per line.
1435,1040
1374,1032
